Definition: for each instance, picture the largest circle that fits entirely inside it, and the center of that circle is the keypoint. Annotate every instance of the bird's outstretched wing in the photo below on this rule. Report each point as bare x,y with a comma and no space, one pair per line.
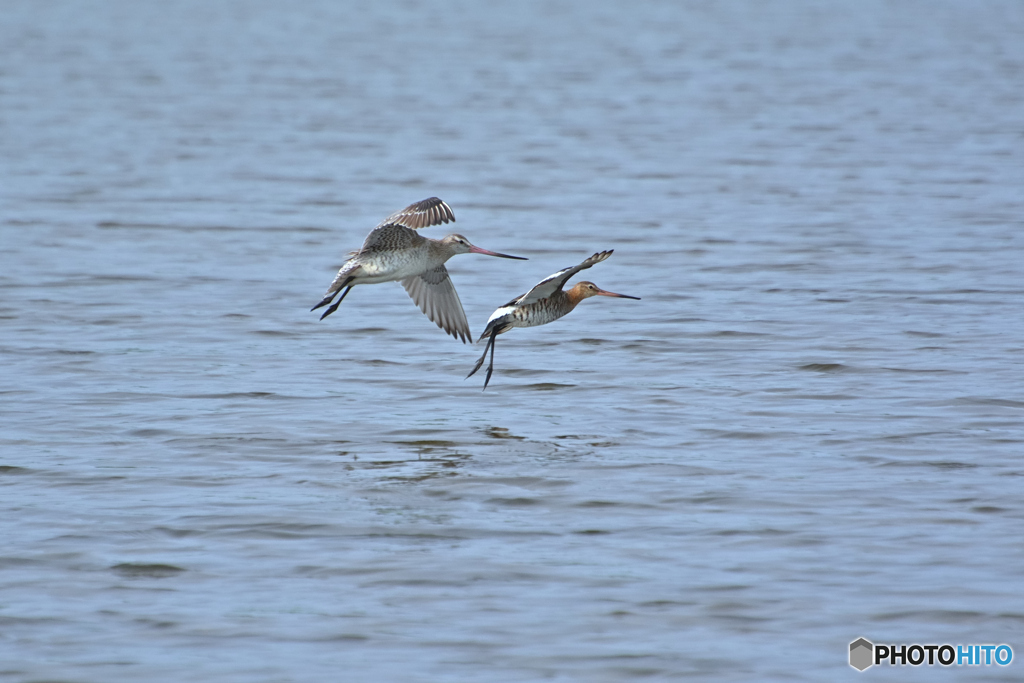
435,294
423,214
397,231
553,283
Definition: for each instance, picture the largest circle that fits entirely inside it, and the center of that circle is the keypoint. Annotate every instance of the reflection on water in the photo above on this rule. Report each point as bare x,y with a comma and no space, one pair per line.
809,428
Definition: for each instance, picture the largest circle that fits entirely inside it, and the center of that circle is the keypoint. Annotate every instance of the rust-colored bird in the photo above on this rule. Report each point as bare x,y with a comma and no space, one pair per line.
395,251
543,304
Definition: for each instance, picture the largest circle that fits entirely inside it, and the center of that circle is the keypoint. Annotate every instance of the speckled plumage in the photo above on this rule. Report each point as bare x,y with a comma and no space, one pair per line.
394,251
543,304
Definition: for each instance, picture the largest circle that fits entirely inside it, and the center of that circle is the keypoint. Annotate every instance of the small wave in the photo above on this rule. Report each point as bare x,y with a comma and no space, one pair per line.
825,367
548,386
156,571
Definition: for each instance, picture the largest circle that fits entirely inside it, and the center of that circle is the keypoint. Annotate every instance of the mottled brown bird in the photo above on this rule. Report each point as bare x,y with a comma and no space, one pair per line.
395,251
543,304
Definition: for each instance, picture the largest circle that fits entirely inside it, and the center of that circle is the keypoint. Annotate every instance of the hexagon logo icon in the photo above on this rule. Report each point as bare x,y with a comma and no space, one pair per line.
861,654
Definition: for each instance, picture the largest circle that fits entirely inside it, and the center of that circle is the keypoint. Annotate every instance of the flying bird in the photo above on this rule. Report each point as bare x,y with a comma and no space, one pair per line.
395,251
543,304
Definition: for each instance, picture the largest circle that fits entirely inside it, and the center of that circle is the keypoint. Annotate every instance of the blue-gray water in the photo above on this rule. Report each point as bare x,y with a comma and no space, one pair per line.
809,430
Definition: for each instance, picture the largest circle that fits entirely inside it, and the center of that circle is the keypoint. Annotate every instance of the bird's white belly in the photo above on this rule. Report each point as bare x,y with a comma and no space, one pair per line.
392,267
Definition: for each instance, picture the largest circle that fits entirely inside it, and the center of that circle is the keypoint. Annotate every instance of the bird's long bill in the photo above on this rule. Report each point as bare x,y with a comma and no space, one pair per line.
602,292
478,250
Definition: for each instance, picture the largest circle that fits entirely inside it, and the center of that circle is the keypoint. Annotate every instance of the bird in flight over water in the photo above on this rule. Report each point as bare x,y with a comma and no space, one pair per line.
395,251
543,304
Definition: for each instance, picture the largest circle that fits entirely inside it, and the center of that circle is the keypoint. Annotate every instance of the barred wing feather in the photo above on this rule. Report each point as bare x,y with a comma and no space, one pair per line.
422,214
435,294
553,283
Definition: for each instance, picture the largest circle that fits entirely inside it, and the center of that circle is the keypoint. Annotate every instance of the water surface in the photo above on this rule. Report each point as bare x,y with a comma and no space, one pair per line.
809,430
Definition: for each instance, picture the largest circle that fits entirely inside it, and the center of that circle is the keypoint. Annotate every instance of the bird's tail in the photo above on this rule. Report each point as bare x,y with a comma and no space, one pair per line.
494,328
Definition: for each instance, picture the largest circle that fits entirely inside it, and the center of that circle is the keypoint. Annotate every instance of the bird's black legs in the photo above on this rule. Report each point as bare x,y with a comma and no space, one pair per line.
490,366
337,303
327,299
480,361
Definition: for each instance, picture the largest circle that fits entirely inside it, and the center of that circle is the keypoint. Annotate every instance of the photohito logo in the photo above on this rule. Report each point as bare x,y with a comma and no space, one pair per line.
864,653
